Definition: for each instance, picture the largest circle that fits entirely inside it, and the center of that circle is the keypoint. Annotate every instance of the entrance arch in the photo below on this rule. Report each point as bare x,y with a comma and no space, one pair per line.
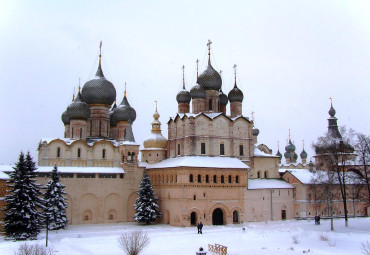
217,217
193,218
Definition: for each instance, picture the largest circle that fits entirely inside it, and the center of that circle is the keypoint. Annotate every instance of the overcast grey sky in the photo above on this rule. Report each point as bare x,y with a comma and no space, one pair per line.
291,57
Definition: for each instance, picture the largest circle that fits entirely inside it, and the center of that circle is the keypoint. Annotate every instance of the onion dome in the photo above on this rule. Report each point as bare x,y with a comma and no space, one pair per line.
78,109
223,98
197,92
99,90
124,112
236,95
256,131
332,111
183,96
290,146
287,155
279,154
113,121
210,79
65,118
303,154
156,139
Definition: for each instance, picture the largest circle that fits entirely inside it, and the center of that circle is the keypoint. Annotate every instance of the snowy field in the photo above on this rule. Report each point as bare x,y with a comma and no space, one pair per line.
258,238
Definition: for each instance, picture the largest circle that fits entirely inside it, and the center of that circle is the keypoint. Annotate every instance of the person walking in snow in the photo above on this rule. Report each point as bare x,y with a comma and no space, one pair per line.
201,227
198,227
318,220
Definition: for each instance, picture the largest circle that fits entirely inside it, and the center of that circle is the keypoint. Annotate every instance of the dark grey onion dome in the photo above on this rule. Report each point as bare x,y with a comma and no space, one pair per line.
210,79
223,98
113,121
124,112
287,155
290,147
197,92
65,118
99,90
279,154
332,111
183,96
295,155
303,154
236,95
78,109
256,131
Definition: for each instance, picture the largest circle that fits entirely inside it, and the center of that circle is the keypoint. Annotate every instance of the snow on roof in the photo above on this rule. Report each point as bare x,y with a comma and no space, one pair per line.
69,169
303,175
258,153
89,141
129,143
268,184
153,149
200,161
293,164
211,115
75,169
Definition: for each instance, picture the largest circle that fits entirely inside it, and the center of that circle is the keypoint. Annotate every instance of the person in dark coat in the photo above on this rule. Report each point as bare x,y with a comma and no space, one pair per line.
318,220
200,227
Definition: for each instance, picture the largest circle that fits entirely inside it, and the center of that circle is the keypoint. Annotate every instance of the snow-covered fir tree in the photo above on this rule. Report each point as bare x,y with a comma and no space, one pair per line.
23,219
146,206
55,202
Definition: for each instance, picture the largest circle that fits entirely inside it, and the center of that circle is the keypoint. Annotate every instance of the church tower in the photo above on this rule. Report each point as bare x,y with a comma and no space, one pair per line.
183,97
236,99
155,145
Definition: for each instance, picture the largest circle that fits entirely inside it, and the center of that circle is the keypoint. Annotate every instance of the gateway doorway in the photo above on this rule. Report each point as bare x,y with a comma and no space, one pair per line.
217,217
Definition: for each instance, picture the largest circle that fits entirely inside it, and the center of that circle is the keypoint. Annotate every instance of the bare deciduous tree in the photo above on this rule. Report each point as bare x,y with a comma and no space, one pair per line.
133,243
362,147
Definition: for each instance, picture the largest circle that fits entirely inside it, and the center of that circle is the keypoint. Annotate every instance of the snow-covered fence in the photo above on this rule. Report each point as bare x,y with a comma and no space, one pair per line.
217,248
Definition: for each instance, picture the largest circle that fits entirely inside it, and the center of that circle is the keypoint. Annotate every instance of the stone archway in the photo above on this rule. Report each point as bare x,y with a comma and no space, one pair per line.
193,218
217,217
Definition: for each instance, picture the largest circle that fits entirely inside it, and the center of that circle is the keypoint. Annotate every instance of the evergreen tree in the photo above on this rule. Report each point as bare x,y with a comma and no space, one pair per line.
22,219
55,202
146,206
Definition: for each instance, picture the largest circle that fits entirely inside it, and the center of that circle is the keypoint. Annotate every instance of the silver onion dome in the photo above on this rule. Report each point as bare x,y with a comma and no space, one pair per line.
99,90
303,154
183,96
256,131
236,95
197,92
210,79
124,112
223,98
65,118
290,147
78,109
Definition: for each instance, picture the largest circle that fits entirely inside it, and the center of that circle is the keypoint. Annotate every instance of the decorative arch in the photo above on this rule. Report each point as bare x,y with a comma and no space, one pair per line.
69,209
194,214
130,206
88,206
112,206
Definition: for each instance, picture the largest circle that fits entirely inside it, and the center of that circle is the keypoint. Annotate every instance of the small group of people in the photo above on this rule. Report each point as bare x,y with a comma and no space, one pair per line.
317,220
200,227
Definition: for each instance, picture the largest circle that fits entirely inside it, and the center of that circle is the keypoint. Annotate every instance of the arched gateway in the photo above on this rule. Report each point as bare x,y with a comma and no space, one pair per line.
217,217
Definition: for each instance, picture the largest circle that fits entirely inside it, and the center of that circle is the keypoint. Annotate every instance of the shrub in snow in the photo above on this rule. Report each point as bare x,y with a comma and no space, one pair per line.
55,202
146,206
23,219
365,247
324,237
134,242
295,239
34,249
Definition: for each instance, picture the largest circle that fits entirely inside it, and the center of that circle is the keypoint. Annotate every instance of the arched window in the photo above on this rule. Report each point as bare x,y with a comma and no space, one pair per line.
191,178
237,179
207,178
259,174
132,156
103,153
178,150
72,132
210,104
222,179
241,150
80,132
214,179
78,153
58,152
266,174
222,149
229,179
99,127
199,178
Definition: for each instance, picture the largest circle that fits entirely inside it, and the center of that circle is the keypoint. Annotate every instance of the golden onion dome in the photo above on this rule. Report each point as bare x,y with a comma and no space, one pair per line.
155,139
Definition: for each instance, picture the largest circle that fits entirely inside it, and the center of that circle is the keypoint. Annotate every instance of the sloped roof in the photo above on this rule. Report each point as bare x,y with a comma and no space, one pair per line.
70,169
200,161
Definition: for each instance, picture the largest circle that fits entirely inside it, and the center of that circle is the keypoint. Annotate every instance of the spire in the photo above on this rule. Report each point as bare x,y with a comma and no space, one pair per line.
209,51
99,72
129,136
289,134
333,130
252,113
197,68
124,93
183,78
235,75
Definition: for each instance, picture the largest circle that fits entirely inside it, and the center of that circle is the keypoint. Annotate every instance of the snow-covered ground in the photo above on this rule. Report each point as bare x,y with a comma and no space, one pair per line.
258,238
